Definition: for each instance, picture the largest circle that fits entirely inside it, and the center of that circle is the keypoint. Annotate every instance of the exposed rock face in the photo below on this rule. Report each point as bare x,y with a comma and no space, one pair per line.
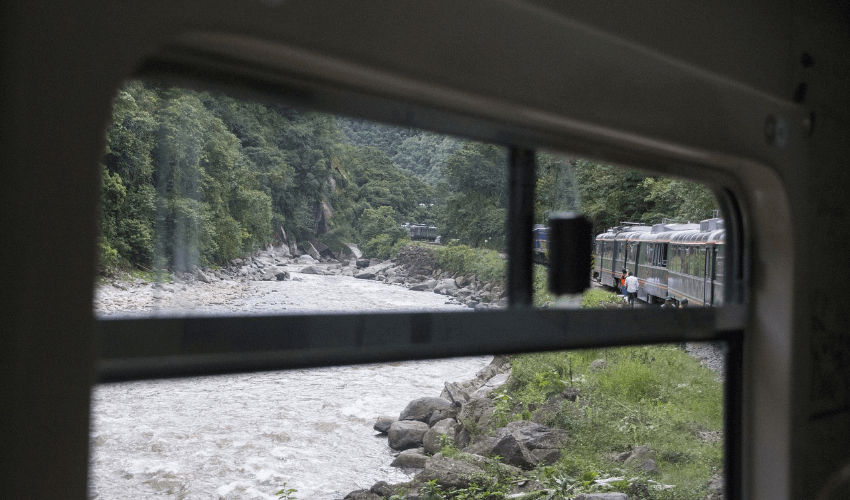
421,409
406,434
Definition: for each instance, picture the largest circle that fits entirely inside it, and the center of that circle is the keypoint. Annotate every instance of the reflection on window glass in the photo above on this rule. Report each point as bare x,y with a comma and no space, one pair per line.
663,231
645,421
213,205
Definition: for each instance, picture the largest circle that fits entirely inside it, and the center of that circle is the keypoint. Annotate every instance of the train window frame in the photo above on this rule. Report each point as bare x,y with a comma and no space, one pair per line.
152,348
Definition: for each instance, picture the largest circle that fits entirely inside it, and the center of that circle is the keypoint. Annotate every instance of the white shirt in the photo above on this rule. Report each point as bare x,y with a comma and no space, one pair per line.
632,284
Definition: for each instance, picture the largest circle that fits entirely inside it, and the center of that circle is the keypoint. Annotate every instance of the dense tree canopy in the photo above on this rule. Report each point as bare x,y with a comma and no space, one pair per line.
197,178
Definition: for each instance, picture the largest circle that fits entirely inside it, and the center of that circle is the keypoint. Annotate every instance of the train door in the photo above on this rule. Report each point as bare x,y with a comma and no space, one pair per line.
708,287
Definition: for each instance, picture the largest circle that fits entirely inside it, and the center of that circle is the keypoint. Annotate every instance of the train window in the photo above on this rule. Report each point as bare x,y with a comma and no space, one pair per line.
219,206
221,218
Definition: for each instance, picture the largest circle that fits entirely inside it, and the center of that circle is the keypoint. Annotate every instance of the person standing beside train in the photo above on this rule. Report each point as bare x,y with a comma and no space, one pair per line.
632,285
623,284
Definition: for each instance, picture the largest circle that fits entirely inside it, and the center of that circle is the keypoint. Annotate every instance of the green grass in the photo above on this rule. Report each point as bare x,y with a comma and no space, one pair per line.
654,395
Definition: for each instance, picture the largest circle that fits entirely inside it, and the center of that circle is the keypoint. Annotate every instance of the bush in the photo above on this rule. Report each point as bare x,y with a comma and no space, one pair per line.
488,265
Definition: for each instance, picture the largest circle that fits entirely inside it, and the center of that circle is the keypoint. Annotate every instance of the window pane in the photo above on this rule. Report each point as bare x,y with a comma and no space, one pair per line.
635,218
217,206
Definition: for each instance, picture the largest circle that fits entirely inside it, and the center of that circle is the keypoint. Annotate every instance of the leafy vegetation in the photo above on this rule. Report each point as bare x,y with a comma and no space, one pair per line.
199,178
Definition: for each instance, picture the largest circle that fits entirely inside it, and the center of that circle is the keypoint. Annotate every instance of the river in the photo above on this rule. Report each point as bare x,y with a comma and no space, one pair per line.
246,436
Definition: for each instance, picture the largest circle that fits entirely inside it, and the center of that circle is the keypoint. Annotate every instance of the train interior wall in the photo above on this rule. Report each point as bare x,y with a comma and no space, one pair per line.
62,62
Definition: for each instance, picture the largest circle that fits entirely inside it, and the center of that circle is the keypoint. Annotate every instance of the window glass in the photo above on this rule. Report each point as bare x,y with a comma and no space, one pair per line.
213,205
217,206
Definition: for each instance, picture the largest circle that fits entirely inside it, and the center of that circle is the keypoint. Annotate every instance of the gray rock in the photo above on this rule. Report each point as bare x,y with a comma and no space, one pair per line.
382,489
374,262
442,414
431,439
404,434
362,263
281,275
410,459
420,287
306,259
478,413
602,496
383,423
362,495
489,386
421,409
599,364
365,275
451,473
535,436
353,250
446,287
201,276
311,270
639,458
504,444
456,394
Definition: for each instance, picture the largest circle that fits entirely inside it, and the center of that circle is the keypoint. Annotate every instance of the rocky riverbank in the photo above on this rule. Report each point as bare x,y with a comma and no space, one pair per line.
273,281
454,444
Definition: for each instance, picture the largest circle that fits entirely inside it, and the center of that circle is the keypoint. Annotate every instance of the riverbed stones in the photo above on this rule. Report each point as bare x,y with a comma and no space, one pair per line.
413,458
405,434
421,409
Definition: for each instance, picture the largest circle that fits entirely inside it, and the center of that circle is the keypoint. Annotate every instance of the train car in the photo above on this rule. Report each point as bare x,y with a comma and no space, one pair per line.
422,232
695,264
670,260
540,244
610,252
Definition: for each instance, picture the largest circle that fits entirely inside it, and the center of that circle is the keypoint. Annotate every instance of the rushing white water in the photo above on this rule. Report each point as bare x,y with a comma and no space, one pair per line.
245,436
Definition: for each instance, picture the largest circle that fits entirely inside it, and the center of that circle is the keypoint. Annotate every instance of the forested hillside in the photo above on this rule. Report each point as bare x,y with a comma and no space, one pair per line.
200,178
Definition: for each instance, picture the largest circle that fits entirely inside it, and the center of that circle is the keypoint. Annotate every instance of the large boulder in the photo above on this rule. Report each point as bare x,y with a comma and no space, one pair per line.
602,496
410,459
535,436
421,409
383,423
446,286
365,275
490,385
362,495
406,434
452,473
522,444
306,259
504,444
431,439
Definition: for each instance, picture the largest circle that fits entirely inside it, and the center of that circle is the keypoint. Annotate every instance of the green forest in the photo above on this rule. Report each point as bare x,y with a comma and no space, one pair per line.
198,178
